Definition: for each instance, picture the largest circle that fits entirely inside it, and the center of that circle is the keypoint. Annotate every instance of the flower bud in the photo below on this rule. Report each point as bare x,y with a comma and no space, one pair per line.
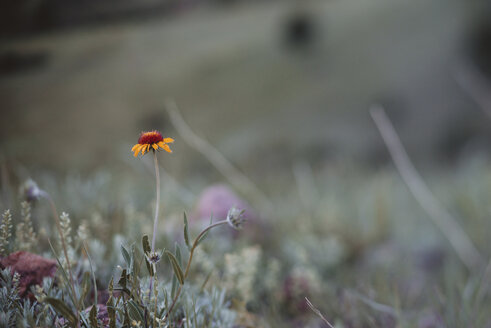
30,191
154,257
235,218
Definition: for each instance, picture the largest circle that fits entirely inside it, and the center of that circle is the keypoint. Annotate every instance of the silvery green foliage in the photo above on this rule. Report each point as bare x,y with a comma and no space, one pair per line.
28,316
7,318
51,289
103,267
17,312
241,272
9,298
76,192
207,309
10,305
54,299
197,308
116,255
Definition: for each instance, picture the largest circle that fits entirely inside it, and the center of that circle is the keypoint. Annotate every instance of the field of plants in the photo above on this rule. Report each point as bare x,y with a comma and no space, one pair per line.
341,246
247,165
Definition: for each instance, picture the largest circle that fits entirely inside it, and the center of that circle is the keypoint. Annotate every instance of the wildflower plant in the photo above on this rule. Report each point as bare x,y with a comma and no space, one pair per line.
71,298
5,233
154,141
336,255
26,238
9,291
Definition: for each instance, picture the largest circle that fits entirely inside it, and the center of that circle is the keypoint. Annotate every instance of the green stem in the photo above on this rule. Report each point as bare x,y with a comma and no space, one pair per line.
157,200
191,253
156,218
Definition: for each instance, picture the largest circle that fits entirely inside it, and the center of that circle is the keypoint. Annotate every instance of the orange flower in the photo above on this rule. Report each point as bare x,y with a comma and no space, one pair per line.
151,140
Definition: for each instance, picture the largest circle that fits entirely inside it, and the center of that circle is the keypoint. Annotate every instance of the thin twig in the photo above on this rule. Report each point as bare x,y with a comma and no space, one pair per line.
444,221
234,175
316,311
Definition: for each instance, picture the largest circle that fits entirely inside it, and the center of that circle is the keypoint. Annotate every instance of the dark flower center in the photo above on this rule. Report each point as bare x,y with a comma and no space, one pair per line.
150,138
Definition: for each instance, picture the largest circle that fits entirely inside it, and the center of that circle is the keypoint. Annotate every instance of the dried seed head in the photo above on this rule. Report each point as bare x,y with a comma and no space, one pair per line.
154,257
235,218
30,191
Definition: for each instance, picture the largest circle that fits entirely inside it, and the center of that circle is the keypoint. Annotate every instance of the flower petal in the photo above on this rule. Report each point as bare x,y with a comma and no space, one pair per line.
137,149
154,146
144,149
160,144
168,140
167,148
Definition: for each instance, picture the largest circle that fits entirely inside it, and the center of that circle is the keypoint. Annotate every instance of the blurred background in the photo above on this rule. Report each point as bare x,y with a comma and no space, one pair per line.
266,82
283,90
